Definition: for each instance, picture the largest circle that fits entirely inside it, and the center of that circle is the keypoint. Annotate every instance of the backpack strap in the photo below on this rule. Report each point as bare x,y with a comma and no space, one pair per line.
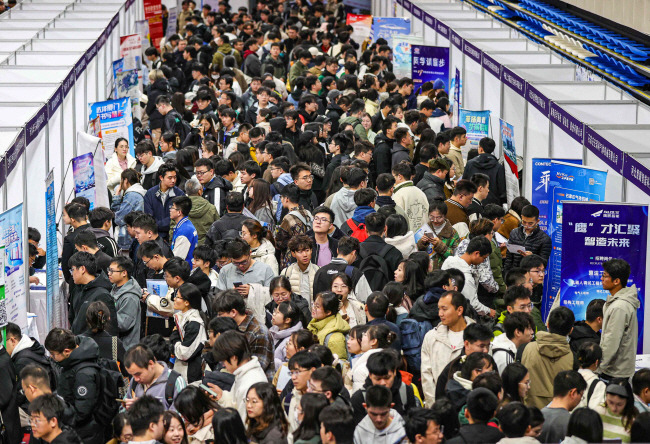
403,395
520,352
384,251
510,352
327,338
114,347
348,270
170,386
591,390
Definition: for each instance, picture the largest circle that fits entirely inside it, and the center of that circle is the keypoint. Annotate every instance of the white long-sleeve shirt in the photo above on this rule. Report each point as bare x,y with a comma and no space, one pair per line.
470,288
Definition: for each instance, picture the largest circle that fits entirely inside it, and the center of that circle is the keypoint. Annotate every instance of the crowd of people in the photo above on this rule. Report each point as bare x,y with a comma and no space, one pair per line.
301,251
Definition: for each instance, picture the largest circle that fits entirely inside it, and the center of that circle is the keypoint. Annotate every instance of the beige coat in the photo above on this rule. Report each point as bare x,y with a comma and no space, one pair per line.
293,273
456,156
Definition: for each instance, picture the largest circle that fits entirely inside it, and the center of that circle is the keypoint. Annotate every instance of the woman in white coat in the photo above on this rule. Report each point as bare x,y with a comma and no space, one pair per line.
375,339
261,247
119,161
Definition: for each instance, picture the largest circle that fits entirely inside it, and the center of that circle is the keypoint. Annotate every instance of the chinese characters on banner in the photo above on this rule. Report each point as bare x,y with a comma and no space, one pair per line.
131,52
361,25
116,121
541,177
13,308
153,14
402,46
52,252
428,64
598,232
389,27
568,182
477,124
510,160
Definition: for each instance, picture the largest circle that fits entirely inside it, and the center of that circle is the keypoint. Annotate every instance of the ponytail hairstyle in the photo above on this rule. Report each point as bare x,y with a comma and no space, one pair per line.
303,339
382,334
475,361
290,310
357,332
394,291
131,176
97,316
258,230
589,353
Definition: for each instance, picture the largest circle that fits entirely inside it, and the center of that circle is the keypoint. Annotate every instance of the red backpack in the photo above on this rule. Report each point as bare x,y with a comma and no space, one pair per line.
350,228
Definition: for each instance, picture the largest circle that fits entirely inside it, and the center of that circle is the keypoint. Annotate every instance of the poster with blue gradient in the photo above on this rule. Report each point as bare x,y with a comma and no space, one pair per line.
568,182
456,87
387,27
14,306
51,251
541,178
477,124
428,64
598,232
402,46
116,121
83,174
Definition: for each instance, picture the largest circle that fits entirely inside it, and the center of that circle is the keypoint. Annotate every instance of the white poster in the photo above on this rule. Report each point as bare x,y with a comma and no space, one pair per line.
90,144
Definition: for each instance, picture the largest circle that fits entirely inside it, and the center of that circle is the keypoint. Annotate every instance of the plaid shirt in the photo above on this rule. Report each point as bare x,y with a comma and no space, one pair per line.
260,342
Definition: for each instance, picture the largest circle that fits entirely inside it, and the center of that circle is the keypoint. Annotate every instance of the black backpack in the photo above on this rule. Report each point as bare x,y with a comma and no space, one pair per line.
53,368
110,385
181,128
375,268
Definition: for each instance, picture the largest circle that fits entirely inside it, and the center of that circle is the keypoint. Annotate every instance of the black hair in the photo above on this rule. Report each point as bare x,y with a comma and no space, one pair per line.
76,211
305,359
595,309
382,334
330,302
475,361
158,345
566,381
493,211
617,269
480,244
381,363
458,280
378,396
219,324
99,216
589,353
416,422
183,204
330,380
338,419
514,276
561,321
457,299
641,380
517,321
477,332
489,380
227,301
143,412
86,238
228,427
237,248
532,261
514,418
192,402
530,211
377,304
177,267
514,293
511,376
235,201
586,424
231,343
206,254
33,234
311,404
97,316
86,260
640,429
481,404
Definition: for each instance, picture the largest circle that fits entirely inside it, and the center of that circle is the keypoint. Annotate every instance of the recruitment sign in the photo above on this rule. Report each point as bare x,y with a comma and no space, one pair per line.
540,193
428,64
598,232
477,124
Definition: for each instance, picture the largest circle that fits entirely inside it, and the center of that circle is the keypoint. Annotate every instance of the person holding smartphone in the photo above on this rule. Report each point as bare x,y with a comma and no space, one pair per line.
441,239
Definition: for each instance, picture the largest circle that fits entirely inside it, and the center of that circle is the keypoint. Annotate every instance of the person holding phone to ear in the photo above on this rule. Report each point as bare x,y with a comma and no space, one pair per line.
441,239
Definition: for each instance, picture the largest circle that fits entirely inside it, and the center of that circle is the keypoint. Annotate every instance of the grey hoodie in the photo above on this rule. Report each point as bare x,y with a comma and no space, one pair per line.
343,205
366,432
619,333
127,305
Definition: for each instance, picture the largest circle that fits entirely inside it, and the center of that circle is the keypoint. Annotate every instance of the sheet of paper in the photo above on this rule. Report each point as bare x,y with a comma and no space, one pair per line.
515,249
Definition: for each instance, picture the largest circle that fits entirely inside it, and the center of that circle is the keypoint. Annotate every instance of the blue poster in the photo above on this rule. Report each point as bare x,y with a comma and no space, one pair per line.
51,248
541,177
13,308
477,124
387,27
83,173
597,233
118,66
116,120
456,88
568,182
428,64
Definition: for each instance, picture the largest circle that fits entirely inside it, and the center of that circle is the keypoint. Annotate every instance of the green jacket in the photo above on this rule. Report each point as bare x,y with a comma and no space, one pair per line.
221,52
496,264
450,241
338,327
356,124
537,319
297,70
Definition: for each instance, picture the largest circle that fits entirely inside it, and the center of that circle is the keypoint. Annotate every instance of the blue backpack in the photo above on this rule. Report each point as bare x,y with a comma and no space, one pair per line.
413,333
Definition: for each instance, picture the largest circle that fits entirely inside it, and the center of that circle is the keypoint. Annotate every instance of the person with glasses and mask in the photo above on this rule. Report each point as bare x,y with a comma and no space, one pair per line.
126,293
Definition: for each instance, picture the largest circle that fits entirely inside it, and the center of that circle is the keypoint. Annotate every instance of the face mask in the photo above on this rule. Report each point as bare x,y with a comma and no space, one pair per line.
215,76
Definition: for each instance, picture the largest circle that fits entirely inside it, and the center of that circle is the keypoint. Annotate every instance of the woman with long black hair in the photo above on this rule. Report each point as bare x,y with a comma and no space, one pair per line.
266,422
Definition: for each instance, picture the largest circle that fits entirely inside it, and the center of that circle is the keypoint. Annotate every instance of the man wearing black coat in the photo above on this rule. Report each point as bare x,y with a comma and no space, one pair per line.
229,226
91,285
383,145
489,165
530,237
78,215
78,382
375,243
8,398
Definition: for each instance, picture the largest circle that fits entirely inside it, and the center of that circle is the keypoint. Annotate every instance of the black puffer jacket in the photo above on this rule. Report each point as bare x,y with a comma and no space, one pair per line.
98,289
210,192
159,88
432,186
538,242
426,307
488,164
382,155
581,334
8,399
79,388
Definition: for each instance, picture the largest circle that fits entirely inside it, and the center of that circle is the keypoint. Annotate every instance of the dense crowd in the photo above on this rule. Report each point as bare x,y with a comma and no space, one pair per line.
302,251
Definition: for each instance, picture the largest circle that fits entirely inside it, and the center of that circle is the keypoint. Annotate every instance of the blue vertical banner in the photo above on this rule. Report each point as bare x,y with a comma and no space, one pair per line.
541,178
477,124
428,64
568,182
456,88
51,248
387,27
14,308
598,232
116,121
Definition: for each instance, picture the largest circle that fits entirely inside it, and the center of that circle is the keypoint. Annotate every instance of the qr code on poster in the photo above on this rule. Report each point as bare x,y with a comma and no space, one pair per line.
3,313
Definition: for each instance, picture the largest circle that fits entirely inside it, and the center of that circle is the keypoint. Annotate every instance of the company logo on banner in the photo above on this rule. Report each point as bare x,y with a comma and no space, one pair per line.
83,172
116,121
510,159
598,232
387,27
52,252
13,308
402,49
361,25
568,182
428,64
540,193
477,124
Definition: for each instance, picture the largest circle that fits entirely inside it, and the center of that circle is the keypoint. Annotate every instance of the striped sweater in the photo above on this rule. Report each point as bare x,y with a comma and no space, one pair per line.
612,425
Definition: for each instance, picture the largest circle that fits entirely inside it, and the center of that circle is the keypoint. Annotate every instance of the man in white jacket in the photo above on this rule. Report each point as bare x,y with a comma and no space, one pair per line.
478,249
382,424
519,329
444,343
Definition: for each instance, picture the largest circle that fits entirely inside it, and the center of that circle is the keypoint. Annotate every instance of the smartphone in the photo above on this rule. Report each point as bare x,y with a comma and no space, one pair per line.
208,390
237,284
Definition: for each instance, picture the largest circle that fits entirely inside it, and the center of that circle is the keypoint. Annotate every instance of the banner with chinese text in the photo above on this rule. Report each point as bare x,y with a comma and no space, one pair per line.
388,27
598,232
153,14
361,25
13,308
116,121
541,177
428,64
509,160
568,182
477,124
52,249
402,48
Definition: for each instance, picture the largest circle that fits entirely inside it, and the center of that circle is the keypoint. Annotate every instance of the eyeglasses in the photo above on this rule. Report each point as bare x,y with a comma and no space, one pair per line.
437,218
147,262
527,383
241,263
111,271
297,372
35,421
321,219
538,271
307,178
201,173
